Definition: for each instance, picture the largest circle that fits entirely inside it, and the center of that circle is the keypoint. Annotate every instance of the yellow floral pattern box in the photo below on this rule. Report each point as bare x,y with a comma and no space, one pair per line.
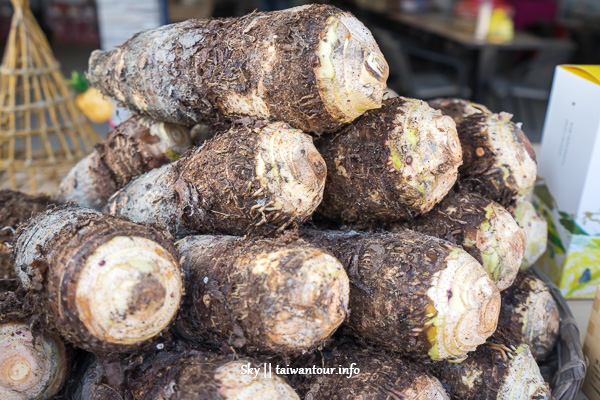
572,257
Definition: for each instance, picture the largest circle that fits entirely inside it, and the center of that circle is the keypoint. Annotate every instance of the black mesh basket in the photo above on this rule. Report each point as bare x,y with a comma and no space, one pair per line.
565,367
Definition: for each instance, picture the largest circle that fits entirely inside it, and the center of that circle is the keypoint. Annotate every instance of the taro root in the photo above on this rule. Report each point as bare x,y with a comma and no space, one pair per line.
392,163
191,374
32,366
265,294
92,385
315,67
368,374
502,369
458,109
105,283
531,314
482,227
15,208
135,146
252,178
177,371
535,228
414,294
498,160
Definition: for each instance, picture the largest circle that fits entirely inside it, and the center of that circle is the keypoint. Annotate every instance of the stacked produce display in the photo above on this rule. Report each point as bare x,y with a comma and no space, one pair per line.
376,259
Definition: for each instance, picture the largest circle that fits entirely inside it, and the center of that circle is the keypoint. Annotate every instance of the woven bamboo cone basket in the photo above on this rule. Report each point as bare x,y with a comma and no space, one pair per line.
42,132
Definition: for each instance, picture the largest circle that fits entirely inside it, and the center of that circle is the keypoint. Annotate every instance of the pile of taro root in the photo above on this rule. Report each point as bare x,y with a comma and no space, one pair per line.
272,224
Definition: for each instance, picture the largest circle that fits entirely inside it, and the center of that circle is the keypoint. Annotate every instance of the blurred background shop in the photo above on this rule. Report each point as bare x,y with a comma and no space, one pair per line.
501,53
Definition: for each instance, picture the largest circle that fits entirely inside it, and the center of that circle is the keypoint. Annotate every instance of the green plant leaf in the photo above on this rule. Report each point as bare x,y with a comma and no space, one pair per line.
78,82
555,240
569,223
542,192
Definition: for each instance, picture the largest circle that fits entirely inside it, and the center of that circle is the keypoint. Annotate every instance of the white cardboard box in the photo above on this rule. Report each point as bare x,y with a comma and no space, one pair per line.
570,154
569,162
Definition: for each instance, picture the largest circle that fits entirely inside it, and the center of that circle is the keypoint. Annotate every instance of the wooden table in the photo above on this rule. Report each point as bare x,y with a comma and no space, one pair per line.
452,29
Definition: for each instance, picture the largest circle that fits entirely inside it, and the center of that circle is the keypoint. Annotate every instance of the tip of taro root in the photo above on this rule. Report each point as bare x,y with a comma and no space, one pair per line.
166,138
523,380
291,169
513,153
535,229
27,369
428,388
236,383
425,151
541,321
458,109
502,244
128,290
352,72
467,304
314,302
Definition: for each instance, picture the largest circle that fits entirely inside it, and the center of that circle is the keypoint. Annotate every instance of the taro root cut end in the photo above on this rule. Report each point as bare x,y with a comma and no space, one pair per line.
128,290
274,295
514,152
535,228
499,161
458,109
502,244
524,380
352,72
313,309
482,227
467,306
292,170
235,385
393,163
530,313
426,152
541,321
171,140
428,388
30,369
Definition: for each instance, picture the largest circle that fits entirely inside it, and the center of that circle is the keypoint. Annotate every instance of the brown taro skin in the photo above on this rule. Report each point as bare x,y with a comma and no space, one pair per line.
458,109
457,226
260,294
479,225
530,312
93,384
403,290
392,163
188,374
498,160
258,178
501,369
380,376
53,252
133,147
262,65
15,208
